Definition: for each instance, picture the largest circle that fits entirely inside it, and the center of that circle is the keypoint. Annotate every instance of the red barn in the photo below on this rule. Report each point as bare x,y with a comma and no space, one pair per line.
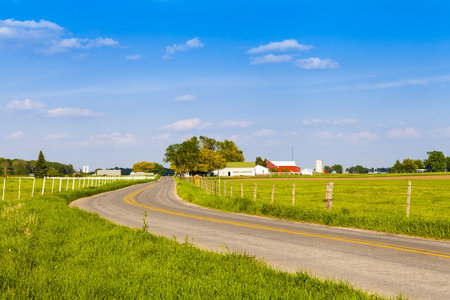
283,165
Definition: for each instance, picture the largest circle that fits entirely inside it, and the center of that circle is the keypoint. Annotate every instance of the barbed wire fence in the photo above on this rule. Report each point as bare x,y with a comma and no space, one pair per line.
400,198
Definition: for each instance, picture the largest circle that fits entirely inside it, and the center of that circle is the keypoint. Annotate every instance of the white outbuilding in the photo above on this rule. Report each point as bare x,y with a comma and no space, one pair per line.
260,170
307,172
238,169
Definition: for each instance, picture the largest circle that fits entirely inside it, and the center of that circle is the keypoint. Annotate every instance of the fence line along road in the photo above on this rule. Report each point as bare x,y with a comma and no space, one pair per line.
24,187
424,198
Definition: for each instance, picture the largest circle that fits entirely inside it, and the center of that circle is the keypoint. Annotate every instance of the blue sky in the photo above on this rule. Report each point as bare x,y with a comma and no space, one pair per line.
111,83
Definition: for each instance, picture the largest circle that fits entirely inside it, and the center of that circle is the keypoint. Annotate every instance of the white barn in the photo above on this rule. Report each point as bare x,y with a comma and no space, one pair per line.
238,169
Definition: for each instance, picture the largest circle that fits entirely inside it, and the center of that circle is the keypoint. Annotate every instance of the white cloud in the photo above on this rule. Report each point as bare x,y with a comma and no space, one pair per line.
72,112
115,139
406,133
235,124
17,135
161,137
439,132
190,44
354,138
26,104
270,59
64,45
196,123
265,133
45,37
185,98
342,122
286,45
133,57
358,137
56,136
184,125
316,63
20,33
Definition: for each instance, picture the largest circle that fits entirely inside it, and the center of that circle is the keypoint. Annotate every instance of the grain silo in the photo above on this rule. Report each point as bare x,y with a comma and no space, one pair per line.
319,166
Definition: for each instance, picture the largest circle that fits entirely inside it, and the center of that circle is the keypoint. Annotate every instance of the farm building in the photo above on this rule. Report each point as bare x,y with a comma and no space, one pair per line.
238,169
283,166
260,170
307,172
109,172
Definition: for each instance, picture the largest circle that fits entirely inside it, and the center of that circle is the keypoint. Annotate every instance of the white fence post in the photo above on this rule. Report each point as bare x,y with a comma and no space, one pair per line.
53,184
60,183
4,184
43,186
32,191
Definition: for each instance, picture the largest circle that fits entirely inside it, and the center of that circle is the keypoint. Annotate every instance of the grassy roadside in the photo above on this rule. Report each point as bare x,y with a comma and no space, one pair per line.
428,227
48,250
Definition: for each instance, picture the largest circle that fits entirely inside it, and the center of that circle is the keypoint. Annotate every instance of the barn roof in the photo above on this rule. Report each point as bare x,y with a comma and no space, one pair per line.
240,164
283,163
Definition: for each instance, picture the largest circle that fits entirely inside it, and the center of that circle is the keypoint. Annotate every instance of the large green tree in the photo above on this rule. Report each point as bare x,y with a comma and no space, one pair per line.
436,161
210,161
208,143
41,166
230,151
183,157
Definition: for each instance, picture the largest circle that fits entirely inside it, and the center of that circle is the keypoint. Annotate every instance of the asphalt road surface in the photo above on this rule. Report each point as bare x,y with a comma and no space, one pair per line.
386,264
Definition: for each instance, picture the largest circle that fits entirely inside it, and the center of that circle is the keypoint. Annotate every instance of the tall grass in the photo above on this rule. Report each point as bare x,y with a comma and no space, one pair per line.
48,250
372,204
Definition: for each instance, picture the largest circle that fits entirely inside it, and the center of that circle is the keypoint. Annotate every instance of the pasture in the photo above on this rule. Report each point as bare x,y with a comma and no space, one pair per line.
370,203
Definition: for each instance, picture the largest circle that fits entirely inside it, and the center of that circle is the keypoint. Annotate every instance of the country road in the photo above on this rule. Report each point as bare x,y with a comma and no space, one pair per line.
386,264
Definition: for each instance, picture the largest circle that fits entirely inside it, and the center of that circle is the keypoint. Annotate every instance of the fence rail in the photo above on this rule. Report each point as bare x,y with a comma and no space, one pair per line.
25,187
422,199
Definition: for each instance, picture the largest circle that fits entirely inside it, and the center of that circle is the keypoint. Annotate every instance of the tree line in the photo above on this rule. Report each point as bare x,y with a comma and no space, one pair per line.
201,155
40,167
436,162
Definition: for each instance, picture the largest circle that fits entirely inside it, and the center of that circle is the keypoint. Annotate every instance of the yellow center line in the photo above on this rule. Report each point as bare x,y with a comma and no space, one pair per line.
130,199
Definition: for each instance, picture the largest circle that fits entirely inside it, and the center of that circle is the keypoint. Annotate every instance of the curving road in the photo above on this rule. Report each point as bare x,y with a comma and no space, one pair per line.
386,264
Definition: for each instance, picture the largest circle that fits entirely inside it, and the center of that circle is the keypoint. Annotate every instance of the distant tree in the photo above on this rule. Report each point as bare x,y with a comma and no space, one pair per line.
447,159
337,168
261,162
53,172
408,166
436,161
148,167
19,167
328,169
273,170
41,166
397,167
5,166
230,151
419,164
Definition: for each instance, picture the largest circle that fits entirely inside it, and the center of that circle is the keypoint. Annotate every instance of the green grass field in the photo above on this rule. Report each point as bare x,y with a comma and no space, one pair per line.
51,251
369,204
